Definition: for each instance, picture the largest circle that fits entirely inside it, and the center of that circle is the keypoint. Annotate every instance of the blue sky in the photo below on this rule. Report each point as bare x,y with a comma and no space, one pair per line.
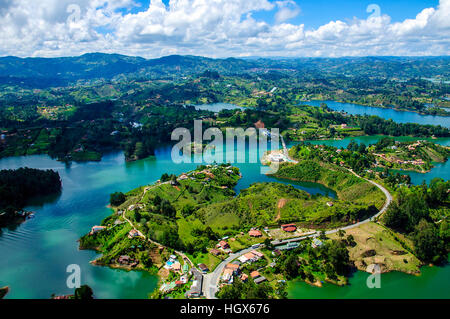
223,28
315,13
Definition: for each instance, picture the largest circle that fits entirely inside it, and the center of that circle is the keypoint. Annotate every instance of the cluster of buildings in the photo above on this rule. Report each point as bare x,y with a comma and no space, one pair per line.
174,265
233,269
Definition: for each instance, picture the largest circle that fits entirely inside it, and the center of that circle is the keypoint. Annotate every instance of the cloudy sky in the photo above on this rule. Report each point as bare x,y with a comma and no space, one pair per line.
223,28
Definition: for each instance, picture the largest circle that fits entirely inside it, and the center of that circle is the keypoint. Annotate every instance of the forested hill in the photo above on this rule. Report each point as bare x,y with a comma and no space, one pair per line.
47,72
18,186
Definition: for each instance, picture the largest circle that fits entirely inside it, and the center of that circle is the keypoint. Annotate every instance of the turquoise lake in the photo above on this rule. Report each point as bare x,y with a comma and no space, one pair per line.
396,116
37,252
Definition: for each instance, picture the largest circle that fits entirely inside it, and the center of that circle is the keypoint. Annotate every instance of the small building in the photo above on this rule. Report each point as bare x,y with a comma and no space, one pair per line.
176,266
251,257
243,259
196,288
290,228
124,259
227,275
96,229
203,268
215,252
259,280
257,253
244,277
223,244
234,267
133,233
254,274
330,204
255,233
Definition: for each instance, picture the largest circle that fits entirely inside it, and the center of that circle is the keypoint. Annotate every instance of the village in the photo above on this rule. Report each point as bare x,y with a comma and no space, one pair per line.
252,263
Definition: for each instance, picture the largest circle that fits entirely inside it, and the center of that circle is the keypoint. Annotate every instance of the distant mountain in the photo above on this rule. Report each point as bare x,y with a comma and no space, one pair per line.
44,72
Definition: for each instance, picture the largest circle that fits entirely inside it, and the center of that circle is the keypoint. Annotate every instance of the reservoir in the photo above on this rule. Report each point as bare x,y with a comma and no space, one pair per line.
39,250
395,115
35,254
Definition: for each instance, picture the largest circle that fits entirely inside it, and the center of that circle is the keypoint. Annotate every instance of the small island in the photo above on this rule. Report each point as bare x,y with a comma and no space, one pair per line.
19,186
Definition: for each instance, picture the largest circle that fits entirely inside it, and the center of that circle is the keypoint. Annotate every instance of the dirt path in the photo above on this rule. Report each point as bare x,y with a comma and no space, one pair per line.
280,205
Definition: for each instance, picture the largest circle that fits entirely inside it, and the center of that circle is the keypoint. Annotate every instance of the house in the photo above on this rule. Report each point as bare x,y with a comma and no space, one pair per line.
96,229
215,252
260,279
290,228
251,257
203,268
316,243
254,274
179,283
227,275
234,268
223,244
176,266
244,277
276,252
330,204
257,253
124,259
255,233
243,259
133,233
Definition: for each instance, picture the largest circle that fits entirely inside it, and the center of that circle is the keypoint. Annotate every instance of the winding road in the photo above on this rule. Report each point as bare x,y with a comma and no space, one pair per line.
211,280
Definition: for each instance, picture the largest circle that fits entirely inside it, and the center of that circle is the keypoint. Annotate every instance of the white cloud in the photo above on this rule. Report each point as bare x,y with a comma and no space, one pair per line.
287,10
217,28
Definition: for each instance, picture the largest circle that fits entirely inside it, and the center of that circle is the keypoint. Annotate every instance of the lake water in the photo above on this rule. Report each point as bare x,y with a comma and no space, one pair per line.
396,116
35,254
432,283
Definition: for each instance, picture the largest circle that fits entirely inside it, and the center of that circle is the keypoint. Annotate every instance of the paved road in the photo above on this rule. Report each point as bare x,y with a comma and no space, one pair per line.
211,280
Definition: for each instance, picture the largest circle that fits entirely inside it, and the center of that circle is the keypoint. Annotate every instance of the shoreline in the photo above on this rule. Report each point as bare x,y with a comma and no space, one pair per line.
381,107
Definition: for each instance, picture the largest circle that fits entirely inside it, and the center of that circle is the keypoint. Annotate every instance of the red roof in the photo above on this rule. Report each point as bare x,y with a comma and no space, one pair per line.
290,228
254,274
255,233
223,243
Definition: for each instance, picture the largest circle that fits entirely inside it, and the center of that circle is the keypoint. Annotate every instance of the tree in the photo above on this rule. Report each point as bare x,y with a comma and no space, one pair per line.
427,242
117,198
187,210
280,290
84,293
290,267
339,257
